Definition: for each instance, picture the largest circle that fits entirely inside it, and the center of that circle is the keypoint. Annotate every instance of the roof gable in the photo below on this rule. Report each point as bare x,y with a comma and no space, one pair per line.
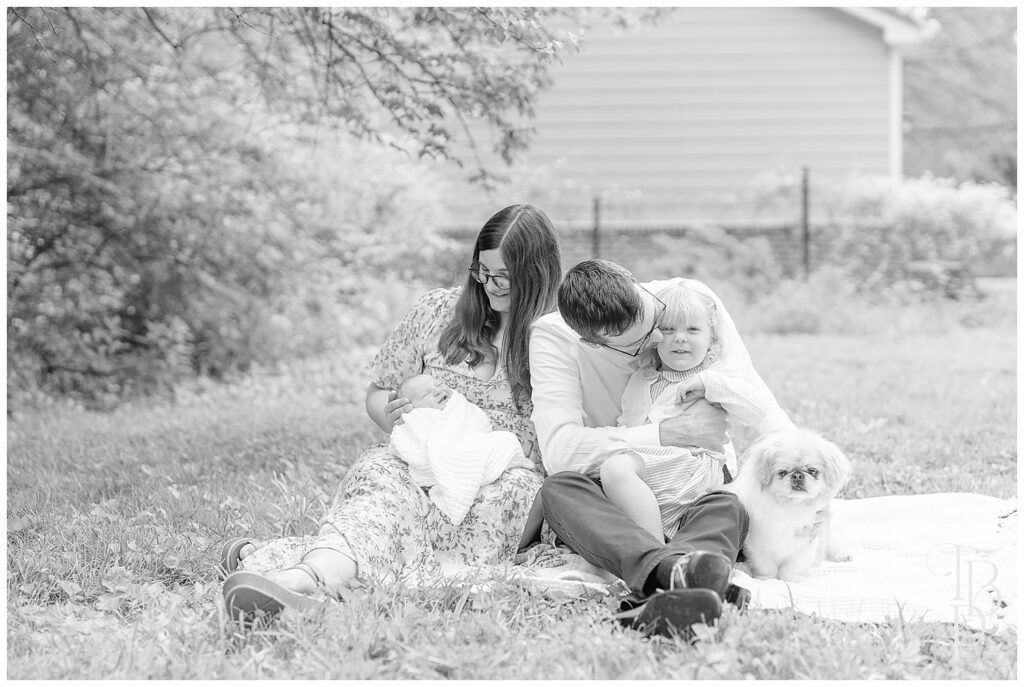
896,29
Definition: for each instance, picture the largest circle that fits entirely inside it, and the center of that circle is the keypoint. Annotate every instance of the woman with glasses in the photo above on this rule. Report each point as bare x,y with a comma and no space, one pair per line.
381,528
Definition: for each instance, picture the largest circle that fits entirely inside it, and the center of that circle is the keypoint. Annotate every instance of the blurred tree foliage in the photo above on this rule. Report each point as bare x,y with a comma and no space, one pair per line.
961,96
175,190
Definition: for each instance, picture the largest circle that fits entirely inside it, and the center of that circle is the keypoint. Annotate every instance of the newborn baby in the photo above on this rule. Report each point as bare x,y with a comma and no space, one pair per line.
449,446
423,391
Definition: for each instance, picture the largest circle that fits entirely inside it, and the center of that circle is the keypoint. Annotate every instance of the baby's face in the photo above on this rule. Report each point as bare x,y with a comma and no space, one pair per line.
423,391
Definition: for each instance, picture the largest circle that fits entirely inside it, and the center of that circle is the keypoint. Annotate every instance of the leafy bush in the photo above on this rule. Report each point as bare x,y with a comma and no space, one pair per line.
302,257
826,302
878,229
155,233
829,303
711,255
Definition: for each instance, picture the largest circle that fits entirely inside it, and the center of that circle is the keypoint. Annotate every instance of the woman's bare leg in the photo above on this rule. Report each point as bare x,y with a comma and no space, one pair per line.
334,567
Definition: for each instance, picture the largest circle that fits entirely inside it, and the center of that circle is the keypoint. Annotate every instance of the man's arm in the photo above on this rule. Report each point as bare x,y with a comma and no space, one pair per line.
566,443
703,425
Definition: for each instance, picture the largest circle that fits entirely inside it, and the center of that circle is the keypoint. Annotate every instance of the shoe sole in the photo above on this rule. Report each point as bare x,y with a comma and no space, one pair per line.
674,613
710,571
248,595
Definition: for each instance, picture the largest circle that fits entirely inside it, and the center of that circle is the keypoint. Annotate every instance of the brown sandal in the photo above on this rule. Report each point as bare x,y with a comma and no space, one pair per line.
230,555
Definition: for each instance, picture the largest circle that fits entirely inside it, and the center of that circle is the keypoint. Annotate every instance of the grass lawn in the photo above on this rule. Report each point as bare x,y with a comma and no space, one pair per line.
115,520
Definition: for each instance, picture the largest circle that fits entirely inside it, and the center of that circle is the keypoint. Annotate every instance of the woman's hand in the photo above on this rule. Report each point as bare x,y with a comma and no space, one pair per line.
395,408
385,408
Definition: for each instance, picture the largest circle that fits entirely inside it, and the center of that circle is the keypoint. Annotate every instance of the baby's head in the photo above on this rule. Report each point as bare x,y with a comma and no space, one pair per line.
689,328
423,391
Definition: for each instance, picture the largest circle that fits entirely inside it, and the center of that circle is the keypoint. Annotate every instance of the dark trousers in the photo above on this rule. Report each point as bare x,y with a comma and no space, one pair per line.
578,511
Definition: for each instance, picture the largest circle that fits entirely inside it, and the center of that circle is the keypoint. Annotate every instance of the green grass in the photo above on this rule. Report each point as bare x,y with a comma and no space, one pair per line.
115,520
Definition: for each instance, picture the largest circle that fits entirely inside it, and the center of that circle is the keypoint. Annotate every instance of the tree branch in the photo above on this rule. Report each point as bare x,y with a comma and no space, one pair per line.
156,27
35,34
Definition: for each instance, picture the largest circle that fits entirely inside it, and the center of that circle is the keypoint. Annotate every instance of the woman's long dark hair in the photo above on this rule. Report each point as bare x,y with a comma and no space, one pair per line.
529,247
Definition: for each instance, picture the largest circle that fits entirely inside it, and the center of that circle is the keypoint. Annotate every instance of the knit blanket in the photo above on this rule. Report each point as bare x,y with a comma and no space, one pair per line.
934,557
453,452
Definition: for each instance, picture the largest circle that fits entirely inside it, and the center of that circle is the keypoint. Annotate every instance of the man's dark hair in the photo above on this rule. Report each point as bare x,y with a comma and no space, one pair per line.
598,298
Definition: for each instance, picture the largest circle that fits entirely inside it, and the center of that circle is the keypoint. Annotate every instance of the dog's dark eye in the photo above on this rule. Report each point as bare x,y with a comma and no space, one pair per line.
812,472
782,473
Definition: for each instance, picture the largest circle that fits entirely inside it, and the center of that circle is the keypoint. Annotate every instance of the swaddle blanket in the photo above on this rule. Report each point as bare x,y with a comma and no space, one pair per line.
454,452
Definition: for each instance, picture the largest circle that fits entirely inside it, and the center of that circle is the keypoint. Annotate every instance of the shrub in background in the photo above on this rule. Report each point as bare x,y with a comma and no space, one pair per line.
877,229
708,253
828,303
825,303
365,226
230,261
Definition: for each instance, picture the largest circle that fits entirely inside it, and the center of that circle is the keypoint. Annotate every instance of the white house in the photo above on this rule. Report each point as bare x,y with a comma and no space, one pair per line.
707,113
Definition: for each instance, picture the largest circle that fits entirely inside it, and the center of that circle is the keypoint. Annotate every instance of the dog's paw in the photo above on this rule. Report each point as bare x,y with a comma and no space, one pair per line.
840,557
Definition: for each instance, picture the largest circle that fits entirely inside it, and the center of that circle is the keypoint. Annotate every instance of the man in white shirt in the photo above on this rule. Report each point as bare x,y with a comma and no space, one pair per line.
580,360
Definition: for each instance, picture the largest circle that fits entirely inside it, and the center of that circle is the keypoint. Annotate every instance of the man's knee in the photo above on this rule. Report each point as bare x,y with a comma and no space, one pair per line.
562,485
561,480
729,502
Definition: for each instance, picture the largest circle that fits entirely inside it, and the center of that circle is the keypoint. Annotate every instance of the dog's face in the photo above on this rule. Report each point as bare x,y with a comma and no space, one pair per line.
798,465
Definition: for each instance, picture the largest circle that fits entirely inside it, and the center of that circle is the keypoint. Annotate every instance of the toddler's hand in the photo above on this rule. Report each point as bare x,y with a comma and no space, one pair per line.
691,390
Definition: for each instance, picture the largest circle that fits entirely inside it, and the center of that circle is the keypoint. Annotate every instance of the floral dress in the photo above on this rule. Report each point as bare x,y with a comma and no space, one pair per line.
386,523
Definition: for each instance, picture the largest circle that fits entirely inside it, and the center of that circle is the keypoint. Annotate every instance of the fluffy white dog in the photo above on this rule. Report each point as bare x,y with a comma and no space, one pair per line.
786,479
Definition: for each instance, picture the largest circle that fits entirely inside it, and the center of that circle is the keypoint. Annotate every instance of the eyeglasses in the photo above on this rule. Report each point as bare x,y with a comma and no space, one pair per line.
500,280
647,337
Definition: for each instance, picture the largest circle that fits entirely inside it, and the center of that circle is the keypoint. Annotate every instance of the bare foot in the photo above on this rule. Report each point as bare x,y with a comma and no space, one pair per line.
294,580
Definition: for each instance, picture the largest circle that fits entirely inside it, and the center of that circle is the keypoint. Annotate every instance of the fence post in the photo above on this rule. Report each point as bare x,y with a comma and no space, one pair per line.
595,239
805,194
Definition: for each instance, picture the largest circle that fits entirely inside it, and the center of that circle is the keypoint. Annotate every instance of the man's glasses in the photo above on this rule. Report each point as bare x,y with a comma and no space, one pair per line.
500,280
634,352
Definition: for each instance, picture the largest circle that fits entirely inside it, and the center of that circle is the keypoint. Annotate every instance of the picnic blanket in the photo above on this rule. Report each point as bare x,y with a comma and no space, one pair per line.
933,557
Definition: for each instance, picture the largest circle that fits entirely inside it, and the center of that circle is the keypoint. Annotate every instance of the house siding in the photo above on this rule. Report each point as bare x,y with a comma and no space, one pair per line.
677,120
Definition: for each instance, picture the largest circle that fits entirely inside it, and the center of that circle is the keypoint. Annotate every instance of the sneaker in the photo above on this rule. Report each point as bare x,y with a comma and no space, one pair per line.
737,596
702,570
673,613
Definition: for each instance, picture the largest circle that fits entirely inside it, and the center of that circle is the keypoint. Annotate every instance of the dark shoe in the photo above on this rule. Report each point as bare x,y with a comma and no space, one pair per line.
702,570
248,595
674,613
230,555
737,596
